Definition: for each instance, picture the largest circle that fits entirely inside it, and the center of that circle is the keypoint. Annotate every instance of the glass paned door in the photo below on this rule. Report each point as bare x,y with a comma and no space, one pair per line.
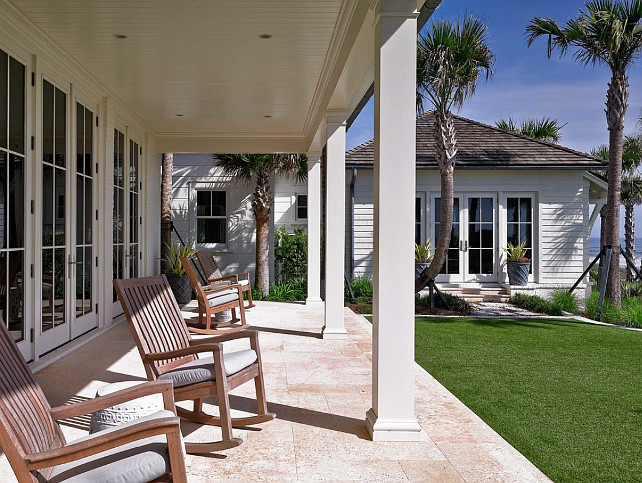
127,220
12,199
83,256
451,271
54,218
480,246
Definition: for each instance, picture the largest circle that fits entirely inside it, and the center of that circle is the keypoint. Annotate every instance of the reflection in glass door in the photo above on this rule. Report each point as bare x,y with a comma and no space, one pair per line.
480,238
12,197
133,253
451,270
119,208
54,236
82,276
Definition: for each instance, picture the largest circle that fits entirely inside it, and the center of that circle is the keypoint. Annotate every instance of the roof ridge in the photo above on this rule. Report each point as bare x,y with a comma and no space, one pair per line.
529,138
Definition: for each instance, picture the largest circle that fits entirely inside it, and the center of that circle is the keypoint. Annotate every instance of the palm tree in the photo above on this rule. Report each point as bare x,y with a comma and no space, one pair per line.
450,60
607,32
246,167
544,128
166,207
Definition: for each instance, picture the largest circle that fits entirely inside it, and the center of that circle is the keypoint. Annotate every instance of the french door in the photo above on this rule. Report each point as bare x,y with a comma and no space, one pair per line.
127,254
67,265
472,255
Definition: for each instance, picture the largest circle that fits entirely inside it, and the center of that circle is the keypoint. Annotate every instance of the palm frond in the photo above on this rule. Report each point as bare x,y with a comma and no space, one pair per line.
543,128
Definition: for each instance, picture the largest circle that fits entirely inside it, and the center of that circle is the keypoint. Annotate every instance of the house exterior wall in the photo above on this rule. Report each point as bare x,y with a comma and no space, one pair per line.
42,62
560,216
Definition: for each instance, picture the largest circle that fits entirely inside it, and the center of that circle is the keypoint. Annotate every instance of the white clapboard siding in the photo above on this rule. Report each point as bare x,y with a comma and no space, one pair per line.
560,217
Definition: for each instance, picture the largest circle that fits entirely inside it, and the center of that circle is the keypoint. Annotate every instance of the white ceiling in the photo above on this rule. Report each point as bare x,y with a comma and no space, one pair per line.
203,58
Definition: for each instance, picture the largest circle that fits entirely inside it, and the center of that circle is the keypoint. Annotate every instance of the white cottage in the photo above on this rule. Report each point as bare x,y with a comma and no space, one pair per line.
508,188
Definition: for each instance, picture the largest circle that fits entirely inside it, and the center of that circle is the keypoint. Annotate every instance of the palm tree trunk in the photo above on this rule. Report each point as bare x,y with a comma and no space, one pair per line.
166,207
616,104
446,146
629,235
603,225
261,206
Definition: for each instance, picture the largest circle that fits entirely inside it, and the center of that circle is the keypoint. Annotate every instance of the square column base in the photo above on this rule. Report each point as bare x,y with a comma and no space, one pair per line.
314,301
392,429
334,333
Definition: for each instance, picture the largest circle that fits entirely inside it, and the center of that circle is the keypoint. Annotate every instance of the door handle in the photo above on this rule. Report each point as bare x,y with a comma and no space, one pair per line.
466,246
74,263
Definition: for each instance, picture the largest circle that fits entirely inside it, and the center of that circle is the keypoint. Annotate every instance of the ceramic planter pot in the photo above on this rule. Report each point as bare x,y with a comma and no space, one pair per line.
420,267
181,288
518,272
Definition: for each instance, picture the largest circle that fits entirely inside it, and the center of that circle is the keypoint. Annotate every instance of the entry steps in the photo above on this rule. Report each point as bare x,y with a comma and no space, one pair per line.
478,294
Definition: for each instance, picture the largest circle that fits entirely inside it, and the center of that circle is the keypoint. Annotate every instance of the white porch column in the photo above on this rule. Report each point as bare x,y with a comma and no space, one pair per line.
314,228
335,231
392,417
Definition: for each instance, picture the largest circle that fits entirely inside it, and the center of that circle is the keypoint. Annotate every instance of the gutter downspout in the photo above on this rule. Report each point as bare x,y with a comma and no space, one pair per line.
351,250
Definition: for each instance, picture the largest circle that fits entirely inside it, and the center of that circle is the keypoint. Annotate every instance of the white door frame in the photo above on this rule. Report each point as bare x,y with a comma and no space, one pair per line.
464,216
450,277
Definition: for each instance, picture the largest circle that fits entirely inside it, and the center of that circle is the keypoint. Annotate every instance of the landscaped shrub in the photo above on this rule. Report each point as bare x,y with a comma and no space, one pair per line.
290,254
290,291
535,303
361,288
565,301
631,289
455,303
629,315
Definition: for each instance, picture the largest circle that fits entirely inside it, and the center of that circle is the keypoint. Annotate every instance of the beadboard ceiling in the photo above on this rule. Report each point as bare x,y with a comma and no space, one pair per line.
201,59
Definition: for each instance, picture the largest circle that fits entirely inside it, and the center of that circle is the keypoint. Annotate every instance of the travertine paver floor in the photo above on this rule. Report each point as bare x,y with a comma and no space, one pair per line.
320,390
500,309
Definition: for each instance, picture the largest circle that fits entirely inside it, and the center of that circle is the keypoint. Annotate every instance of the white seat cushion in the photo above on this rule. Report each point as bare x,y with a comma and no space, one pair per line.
202,370
223,297
138,461
243,282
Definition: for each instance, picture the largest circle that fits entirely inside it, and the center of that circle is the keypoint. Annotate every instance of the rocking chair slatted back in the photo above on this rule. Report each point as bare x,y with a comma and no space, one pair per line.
201,296
145,301
208,264
26,425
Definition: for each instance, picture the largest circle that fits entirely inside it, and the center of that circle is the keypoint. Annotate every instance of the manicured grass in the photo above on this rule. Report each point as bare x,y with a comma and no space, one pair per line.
567,395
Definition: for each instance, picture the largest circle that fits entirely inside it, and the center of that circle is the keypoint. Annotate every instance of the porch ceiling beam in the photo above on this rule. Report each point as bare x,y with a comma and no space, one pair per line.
392,417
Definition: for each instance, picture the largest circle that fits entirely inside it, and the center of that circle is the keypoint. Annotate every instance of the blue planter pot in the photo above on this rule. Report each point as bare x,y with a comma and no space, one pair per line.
518,272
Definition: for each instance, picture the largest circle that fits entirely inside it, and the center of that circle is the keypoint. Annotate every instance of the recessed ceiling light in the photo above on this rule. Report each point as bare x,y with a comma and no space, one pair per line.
179,115
120,36
265,36
267,116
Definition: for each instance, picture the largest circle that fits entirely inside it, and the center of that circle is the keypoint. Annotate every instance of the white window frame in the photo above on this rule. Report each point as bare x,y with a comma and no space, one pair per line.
194,189
296,208
536,255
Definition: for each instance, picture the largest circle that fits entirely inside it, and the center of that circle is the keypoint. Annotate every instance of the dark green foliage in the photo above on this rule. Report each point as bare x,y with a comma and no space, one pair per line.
291,291
629,315
631,289
563,393
535,303
456,304
565,301
361,287
290,254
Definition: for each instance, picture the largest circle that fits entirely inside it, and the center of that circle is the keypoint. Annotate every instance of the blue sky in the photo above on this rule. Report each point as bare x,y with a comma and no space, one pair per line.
527,83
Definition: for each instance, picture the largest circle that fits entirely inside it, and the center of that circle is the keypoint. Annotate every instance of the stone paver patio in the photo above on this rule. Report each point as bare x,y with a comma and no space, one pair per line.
320,390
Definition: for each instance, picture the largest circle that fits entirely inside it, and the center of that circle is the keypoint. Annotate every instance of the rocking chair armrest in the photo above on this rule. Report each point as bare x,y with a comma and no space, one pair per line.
118,397
112,439
186,351
224,278
251,334
214,288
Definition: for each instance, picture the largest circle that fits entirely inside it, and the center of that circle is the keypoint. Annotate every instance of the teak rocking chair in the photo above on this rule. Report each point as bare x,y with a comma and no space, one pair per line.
168,353
213,274
142,450
212,299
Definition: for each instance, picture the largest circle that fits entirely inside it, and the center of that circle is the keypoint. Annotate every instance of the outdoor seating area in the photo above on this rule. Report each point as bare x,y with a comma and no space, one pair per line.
320,390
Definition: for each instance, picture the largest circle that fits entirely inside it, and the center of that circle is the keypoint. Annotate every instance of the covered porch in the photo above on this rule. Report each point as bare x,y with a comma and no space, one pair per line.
320,390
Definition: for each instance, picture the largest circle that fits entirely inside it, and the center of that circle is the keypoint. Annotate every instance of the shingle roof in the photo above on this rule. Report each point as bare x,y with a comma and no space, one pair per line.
485,147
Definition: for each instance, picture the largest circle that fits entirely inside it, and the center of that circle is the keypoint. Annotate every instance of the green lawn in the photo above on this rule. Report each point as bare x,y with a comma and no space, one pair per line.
567,395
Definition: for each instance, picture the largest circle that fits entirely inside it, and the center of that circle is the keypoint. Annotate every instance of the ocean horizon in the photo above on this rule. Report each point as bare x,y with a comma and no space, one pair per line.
594,249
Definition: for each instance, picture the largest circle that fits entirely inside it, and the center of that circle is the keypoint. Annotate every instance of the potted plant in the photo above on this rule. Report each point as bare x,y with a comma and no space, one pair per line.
518,265
175,273
423,257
